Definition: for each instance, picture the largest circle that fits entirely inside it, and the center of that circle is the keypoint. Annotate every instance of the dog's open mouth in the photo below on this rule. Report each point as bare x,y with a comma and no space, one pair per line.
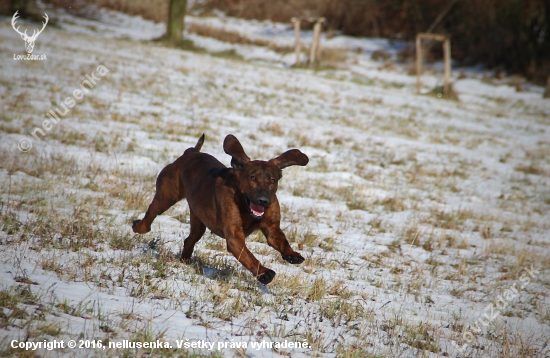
256,210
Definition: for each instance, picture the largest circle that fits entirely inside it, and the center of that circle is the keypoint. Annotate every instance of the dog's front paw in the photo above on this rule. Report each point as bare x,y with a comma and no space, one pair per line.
266,277
138,227
294,259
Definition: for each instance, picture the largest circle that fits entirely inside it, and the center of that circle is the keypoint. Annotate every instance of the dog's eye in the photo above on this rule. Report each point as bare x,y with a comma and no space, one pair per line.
252,177
272,180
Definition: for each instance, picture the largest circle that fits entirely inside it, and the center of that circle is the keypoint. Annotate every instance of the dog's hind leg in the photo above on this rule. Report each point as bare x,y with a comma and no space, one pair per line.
169,191
195,234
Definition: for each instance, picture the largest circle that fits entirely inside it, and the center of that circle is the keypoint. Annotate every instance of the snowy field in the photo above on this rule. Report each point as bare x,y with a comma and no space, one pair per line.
424,222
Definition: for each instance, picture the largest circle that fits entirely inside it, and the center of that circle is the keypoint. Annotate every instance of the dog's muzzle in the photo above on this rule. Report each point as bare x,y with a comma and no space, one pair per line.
257,210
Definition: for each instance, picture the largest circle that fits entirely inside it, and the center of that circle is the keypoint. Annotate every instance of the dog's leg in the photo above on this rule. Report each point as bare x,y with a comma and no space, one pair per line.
277,240
235,245
271,228
195,234
156,208
169,191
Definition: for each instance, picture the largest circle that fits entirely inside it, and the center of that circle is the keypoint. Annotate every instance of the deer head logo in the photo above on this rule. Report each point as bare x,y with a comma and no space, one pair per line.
29,40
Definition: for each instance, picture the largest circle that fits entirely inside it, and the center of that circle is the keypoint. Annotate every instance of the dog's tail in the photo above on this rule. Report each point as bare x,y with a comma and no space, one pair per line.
200,142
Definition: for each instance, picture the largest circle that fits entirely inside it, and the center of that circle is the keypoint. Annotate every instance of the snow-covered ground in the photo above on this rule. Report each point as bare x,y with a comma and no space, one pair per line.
415,213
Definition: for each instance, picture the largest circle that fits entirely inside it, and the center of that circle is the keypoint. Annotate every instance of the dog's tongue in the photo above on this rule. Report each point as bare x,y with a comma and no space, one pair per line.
257,209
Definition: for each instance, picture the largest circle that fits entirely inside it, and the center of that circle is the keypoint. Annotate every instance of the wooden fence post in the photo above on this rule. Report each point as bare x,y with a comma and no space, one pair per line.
447,59
315,43
418,62
297,44
319,23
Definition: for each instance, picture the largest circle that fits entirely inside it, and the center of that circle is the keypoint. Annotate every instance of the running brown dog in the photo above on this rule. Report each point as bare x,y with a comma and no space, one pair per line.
231,202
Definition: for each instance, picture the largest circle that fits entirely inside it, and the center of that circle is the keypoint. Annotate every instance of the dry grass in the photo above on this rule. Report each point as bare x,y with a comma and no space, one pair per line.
531,169
333,56
234,37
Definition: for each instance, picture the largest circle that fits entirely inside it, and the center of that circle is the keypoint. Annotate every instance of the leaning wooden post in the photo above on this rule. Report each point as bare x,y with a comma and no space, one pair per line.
447,55
297,43
318,46
315,42
418,62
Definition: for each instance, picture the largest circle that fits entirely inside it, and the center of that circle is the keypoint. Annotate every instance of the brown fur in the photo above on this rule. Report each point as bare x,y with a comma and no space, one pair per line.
224,200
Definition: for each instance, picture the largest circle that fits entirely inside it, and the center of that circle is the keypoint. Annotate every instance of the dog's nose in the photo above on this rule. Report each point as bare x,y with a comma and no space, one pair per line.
263,201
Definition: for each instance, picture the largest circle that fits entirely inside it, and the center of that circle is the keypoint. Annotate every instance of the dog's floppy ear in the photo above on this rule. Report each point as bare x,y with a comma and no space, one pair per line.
233,147
288,158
